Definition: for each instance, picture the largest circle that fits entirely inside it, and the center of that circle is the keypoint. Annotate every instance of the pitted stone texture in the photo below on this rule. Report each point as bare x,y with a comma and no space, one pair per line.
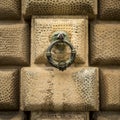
106,116
59,116
10,9
14,44
105,43
75,89
43,29
9,89
59,7
11,115
109,9
110,89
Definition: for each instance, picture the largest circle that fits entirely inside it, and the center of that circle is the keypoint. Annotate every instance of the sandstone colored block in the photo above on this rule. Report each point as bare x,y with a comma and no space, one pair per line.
59,116
10,9
109,9
75,89
43,29
11,115
9,89
14,43
106,116
59,7
110,89
105,43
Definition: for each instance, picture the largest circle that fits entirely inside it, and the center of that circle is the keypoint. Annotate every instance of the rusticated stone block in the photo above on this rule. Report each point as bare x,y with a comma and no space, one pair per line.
43,29
11,115
14,44
110,89
59,116
106,116
59,7
75,89
9,89
10,9
109,9
105,43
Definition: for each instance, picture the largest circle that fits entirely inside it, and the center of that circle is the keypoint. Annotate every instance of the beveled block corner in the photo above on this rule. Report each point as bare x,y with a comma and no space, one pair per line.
9,89
61,116
43,29
110,89
14,43
105,43
10,9
44,89
11,115
106,115
109,9
59,7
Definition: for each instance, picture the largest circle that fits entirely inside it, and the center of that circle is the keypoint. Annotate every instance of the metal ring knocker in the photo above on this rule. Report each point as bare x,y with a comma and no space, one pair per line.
62,65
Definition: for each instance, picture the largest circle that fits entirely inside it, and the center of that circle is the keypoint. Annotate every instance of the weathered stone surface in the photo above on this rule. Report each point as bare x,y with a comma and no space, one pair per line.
9,89
11,115
105,43
75,89
106,116
59,7
59,116
10,9
110,89
109,9
14,44
43,29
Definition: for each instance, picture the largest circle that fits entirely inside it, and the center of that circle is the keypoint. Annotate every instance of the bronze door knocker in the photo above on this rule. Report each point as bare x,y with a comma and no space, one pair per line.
60,38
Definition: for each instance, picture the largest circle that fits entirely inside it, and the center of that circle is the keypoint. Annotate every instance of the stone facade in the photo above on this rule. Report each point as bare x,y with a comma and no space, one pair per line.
31,88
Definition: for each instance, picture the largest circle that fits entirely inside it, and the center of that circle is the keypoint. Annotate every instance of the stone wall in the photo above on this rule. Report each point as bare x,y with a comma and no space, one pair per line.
31,88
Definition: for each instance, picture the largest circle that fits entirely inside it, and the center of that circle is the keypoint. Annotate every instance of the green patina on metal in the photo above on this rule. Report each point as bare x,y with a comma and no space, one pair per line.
60,40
